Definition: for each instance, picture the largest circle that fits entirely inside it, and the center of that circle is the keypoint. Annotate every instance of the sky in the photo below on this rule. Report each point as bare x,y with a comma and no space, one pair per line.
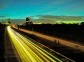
20,9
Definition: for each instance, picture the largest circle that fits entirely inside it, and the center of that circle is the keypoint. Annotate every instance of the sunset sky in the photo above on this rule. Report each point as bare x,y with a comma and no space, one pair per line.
17,9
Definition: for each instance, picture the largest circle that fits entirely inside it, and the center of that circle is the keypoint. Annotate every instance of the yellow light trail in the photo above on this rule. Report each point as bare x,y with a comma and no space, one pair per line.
27,50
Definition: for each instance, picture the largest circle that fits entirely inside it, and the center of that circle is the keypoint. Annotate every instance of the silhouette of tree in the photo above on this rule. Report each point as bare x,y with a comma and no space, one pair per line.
27,19
82,23
17,26
9,21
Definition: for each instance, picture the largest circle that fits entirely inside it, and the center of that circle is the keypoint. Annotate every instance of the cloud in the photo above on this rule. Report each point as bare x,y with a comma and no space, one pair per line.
61,18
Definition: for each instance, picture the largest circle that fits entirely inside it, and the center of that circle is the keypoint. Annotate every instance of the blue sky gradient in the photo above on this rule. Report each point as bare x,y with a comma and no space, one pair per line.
22,8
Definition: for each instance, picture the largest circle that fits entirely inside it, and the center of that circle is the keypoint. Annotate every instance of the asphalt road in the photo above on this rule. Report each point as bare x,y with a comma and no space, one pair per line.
29,51
9,53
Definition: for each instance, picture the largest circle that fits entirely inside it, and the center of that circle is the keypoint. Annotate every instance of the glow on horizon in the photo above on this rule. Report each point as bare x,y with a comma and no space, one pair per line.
68,22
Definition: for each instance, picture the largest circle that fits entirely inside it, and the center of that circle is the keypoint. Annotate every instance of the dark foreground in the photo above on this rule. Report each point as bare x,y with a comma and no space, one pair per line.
74,33
2,30
70,32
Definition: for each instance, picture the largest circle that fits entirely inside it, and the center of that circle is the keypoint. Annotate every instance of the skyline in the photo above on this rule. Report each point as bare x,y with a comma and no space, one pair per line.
20,9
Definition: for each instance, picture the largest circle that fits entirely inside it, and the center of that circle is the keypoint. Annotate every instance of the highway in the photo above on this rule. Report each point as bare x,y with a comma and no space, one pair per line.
67,43
28,51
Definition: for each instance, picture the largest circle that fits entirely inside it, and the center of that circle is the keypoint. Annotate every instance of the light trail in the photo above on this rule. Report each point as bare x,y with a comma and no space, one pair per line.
28,51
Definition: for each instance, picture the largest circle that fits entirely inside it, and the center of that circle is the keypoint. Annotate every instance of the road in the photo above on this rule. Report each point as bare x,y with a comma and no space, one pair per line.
28,51
54,39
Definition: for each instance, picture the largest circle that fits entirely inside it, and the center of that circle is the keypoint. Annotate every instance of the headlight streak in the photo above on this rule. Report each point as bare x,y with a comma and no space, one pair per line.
21,49
29,51
37,47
